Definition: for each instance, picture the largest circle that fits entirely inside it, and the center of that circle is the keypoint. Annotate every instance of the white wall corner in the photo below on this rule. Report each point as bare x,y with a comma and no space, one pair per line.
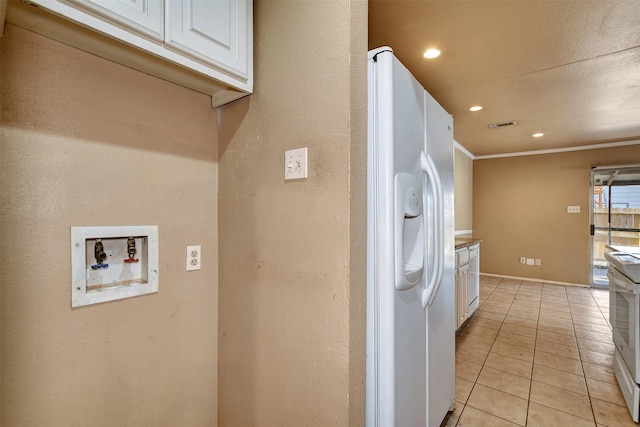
463,150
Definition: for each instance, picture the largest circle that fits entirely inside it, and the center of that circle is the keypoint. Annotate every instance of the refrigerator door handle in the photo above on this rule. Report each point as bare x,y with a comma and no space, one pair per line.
435,278
439,232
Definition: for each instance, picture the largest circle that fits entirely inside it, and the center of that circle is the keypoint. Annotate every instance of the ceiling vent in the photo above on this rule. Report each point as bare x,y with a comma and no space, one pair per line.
503,124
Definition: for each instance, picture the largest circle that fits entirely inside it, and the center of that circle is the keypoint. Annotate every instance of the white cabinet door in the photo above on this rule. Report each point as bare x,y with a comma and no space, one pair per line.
213,31
473,293
206,45
462,304
143,16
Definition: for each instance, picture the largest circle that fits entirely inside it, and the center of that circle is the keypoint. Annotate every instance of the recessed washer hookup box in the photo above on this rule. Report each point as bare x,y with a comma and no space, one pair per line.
113,262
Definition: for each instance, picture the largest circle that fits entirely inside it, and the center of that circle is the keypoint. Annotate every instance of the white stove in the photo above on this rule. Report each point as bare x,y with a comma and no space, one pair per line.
627,263
624,315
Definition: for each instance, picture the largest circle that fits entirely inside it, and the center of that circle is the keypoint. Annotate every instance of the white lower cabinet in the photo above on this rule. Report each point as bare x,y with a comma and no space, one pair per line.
462,285
462,281
467,282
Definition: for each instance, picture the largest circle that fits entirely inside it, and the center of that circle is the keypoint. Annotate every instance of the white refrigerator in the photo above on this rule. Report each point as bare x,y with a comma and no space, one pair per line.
410,251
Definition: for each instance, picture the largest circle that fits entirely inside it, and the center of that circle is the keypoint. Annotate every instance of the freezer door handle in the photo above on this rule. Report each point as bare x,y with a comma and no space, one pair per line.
435,278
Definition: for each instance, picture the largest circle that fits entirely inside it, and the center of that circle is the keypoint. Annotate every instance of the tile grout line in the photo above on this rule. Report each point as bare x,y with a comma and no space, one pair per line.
502,322
496,339
581,363
494,342
533,362
476,380
584,374
535,349
577,303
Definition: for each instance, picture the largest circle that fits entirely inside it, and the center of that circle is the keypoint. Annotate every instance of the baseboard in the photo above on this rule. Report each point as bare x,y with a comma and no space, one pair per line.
529,279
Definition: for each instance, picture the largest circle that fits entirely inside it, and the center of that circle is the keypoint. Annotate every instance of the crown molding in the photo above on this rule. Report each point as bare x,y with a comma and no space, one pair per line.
560,150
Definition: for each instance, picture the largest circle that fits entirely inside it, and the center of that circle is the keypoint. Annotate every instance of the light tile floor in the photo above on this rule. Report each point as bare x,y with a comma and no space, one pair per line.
537,355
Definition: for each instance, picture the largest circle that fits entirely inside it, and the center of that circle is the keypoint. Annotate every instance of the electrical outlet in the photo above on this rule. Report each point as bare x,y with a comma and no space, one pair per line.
193,258
295,164
538,262
523,260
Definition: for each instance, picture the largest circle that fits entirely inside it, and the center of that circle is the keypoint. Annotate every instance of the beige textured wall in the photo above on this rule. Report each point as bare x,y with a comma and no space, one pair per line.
520,209
291,280
358,212
88,142
463,190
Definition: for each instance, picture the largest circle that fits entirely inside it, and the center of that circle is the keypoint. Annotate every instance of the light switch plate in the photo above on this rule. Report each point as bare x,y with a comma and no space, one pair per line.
573,209
295,164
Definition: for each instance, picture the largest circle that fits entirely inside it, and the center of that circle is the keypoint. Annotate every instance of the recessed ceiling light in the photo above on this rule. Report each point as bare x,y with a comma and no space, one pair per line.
537,135
431,53
476,108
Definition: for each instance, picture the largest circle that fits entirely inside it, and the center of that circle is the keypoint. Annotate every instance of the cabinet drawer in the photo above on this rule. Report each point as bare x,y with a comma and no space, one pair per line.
462,257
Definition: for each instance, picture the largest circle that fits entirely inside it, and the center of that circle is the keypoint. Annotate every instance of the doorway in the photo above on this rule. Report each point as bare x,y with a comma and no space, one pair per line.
614,215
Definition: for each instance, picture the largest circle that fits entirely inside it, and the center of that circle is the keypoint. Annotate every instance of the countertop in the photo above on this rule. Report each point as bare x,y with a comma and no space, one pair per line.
466,242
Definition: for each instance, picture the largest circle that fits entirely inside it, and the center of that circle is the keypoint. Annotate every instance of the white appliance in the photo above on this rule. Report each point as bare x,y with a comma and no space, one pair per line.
624,315
410,251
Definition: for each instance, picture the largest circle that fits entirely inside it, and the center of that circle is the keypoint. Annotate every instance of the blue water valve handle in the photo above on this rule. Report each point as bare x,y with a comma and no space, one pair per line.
98,266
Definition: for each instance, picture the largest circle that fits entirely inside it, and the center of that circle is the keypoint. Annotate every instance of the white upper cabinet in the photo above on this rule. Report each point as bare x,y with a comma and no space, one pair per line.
145,16
206,45
211,30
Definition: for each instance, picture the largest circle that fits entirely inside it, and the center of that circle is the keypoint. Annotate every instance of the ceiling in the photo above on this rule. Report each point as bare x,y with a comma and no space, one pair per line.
568,69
